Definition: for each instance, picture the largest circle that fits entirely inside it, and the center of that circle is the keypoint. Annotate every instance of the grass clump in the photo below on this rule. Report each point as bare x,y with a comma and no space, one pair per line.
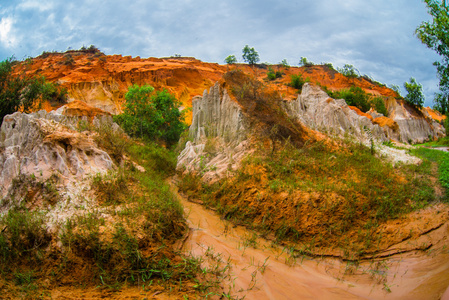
441,159
22,239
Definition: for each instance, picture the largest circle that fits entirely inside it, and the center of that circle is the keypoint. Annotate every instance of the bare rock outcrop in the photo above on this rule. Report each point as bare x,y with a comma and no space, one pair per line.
44,144
318,111
413,126
218,135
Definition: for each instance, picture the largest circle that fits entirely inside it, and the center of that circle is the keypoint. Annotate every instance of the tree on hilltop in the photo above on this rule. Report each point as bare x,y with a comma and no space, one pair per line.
250,55
230,60
414,96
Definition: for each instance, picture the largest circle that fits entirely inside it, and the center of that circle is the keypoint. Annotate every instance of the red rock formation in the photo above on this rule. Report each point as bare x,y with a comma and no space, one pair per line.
101,81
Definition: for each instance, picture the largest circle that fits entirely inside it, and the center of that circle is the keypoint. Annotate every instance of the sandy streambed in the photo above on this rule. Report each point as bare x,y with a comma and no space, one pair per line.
259,270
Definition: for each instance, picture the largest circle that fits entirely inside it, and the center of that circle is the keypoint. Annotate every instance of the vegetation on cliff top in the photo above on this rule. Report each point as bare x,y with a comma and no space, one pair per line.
23,93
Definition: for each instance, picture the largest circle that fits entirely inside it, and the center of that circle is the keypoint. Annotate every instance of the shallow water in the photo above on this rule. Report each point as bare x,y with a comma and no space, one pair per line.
263,271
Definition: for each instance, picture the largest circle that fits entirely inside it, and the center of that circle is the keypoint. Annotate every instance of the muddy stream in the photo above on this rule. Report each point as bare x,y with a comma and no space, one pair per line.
259,270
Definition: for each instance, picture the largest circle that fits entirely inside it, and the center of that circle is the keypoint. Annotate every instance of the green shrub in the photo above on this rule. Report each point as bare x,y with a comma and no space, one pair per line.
378,104
285,64
303,62
297,81
349,71
230,60
152,115
17,92
272,75
355,96
23,233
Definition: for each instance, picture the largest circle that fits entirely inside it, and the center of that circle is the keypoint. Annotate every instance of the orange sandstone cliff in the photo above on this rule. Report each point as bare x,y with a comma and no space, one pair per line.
102,80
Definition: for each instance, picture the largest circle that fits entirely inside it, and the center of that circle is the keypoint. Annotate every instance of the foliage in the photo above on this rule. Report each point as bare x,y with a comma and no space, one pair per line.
250,55
434,34
329,65
297,81
285,64
24,233
349,71
303,62
230,60
414,95
152,115
379,105
441,158
355,96
19,92
263,106
272,75
441,103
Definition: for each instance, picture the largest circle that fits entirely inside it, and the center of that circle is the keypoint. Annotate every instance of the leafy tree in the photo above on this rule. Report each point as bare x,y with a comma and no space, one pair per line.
250,55
230,60
349,71
152,115
17,92
435,35
285,64
414,93
303,62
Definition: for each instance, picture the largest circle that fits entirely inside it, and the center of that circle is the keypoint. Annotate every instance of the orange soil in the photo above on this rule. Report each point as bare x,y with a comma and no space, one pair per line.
185,77
384,121
361,113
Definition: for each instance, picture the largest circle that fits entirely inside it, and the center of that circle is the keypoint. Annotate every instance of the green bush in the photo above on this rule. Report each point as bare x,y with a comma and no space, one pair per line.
355,96
303,62
25,93
272,75
379,105
230,60
152,115
297,81
349,71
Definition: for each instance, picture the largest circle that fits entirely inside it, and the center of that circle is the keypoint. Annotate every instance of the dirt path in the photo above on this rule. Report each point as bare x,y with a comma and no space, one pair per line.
262,271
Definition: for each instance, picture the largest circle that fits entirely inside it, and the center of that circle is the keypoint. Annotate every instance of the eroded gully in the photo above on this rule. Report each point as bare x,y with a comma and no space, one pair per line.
259,270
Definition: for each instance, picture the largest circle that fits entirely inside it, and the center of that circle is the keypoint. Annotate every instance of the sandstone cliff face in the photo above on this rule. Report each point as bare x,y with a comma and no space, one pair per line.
42,145
414,126
218,135
316,110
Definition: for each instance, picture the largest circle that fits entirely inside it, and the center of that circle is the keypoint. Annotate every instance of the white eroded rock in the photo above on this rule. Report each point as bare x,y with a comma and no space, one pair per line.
318,111
42,144
219,123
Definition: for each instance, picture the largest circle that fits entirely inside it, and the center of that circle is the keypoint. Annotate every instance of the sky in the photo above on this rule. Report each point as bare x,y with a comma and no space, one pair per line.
376,37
